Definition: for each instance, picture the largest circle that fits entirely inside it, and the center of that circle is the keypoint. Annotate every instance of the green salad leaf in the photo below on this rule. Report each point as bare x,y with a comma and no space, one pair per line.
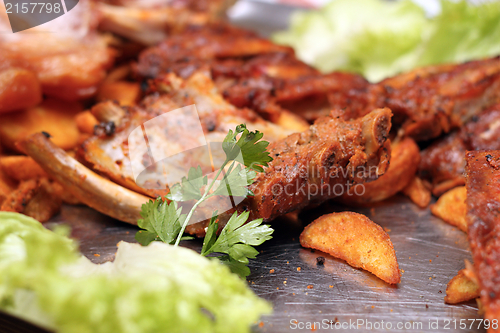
155,288
379,39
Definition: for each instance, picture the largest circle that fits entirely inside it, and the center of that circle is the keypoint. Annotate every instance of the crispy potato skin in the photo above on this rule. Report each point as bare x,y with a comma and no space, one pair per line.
461,289
357,240
451,207
19,89
85,121
52,116
125,93
418,192
21,168
405,157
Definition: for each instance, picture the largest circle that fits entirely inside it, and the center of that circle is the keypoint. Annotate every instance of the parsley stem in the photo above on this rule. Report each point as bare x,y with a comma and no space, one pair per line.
203,197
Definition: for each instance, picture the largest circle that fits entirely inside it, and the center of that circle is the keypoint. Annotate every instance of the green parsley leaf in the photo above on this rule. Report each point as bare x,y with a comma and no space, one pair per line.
189,188
237,238
235,266
235,182
210,235
252,150
161,221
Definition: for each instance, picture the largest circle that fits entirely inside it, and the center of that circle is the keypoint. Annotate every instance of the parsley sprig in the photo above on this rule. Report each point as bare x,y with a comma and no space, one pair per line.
163,220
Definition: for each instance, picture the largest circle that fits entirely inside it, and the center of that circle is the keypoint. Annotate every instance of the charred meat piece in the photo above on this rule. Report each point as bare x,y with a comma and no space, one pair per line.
250,71
318,164
69,65
432,100
149,22
483,213
443,163
109,153
214,41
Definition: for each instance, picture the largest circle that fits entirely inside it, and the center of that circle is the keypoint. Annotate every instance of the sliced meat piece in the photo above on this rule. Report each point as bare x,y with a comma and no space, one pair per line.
483,213
443,163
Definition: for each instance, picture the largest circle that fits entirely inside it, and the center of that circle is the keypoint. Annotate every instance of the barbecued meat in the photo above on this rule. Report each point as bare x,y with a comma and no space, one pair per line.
318,164
429,101
249,71
109,153
483,213
69,64
443,163
149,22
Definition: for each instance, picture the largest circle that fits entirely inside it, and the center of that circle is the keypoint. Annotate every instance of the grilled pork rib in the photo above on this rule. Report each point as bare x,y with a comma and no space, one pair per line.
443,163
483,213
303,161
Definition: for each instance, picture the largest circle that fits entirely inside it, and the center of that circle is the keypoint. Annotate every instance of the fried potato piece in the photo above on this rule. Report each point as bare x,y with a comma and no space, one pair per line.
17,199
405,157
357,240
126,93
85,121
44,204
461,289
6,186
418,192
292,121
35,198
451,207
52,116
21,168
19,89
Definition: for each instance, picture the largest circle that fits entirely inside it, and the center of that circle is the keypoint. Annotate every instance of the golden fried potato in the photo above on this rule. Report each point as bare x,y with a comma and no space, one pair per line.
44,204
17,199
21,168
292,121
125,93
19,89
35,198
85,121
6,186
418,192
461,289
451,207
357,240
53,116
405,157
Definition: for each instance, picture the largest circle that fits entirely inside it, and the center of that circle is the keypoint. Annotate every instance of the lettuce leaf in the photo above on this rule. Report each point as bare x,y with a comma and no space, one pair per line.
379,39
156,288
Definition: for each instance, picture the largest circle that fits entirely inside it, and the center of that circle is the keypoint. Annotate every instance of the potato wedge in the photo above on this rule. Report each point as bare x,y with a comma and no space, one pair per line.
52,116
85,121
461,289
418,192
292,121
357,240
19,89
44,204
6,186
35,198
451,207
405,157
21,168
125,93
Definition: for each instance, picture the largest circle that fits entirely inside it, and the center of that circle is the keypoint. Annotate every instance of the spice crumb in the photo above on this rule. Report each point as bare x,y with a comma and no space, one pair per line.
284,282
298,269
261,324
373,306
271,271
320,261
310,286
430,260
331,286
96,255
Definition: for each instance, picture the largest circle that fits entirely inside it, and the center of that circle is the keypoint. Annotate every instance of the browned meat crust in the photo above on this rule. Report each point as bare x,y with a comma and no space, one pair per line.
308,166
249,71
483,213
432,100
443,163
